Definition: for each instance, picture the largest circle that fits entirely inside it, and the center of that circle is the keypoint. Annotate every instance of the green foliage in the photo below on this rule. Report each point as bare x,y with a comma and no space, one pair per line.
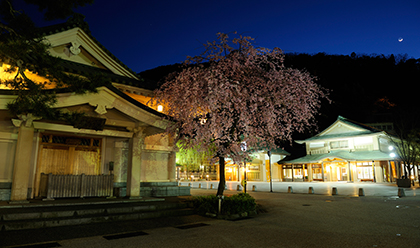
192,158
234,204
23,48
206,204
239,203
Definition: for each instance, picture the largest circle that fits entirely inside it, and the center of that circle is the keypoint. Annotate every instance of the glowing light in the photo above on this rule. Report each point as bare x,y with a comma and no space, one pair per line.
243,146
400,39
390,148
160,108
392,155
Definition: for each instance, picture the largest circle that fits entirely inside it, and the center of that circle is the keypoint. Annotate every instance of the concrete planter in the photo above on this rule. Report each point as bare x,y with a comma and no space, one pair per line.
404,183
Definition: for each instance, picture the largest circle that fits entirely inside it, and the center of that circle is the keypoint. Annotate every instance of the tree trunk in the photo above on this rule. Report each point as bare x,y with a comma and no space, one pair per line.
405,171
222,180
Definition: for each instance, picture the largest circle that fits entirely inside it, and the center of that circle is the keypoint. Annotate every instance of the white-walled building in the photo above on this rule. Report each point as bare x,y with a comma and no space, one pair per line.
345,151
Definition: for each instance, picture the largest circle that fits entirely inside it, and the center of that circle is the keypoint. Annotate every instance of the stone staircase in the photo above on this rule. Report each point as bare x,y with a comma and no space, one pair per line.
84,211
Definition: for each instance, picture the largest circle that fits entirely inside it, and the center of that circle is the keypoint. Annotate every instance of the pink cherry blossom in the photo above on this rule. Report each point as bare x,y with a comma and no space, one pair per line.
235,92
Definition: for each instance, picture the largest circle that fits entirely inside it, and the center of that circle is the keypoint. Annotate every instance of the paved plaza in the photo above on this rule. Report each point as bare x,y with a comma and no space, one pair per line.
319,188
298,219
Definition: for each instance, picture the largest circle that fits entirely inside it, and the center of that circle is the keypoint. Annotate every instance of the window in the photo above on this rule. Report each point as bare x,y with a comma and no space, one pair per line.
362,141
339,144
316,144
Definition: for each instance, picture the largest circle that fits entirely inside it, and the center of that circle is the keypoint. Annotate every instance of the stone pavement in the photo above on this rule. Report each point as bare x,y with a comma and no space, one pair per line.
323,188
379,219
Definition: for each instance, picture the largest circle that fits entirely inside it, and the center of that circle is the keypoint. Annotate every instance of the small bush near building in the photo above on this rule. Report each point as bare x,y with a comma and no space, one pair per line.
231,205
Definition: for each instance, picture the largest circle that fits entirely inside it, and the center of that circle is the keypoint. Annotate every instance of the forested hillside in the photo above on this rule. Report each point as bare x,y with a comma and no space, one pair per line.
360,84
364,88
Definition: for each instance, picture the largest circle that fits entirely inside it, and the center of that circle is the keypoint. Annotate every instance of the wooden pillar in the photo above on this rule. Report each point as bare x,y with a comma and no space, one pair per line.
172,166
310,175
349,177
390,175
23,155
293,174
373,171
134,164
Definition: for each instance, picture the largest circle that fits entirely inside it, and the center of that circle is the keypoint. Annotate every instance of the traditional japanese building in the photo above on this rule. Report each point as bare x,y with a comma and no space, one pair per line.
258,169
121,149
345,151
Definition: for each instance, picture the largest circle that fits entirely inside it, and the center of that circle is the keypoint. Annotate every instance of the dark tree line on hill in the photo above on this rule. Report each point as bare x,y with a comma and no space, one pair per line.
365,88
362,87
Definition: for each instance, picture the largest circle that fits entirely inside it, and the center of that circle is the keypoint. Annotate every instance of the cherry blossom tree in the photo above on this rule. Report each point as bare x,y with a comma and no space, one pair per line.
235,93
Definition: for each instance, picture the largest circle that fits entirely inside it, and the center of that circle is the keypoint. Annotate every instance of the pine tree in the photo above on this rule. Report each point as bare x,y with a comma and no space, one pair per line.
25,52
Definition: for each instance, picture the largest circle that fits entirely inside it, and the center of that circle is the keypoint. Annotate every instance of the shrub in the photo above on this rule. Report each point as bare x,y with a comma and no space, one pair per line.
206,204
234,204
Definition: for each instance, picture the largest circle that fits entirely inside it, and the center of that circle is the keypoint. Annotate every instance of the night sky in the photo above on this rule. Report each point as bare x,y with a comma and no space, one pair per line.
148,34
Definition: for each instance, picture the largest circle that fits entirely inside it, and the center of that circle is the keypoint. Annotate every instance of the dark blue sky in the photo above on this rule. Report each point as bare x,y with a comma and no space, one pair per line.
147,34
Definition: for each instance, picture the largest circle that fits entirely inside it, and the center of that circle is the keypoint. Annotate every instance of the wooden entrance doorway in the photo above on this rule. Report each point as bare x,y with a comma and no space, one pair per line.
68,155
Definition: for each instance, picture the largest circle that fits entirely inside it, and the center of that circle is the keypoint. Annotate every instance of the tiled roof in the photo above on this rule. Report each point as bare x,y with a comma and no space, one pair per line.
358,124
77,21
367,131
78,68
340,135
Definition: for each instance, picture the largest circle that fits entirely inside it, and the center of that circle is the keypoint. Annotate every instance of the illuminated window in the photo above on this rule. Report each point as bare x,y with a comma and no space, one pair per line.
363,140
339,144
316,144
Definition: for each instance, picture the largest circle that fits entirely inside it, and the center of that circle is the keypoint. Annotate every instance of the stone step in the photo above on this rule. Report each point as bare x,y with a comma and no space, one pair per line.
43,217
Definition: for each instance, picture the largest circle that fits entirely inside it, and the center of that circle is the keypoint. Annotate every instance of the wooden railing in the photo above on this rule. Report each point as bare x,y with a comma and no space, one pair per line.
63,186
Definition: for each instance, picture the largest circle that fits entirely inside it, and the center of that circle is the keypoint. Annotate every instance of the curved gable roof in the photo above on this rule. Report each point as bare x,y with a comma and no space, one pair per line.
342,128
76,29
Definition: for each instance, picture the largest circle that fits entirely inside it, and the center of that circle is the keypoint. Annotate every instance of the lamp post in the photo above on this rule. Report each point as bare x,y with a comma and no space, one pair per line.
243,148
271,179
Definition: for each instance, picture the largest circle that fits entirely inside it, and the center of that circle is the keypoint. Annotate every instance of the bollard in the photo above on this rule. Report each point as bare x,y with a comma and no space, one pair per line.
290,190
310,190
238,188
254,188
361,192
199,185
211,186
220,203
334,191
401,192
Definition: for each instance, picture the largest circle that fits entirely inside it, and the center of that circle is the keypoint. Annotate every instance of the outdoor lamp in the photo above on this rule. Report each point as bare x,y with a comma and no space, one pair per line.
243,148
271,179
